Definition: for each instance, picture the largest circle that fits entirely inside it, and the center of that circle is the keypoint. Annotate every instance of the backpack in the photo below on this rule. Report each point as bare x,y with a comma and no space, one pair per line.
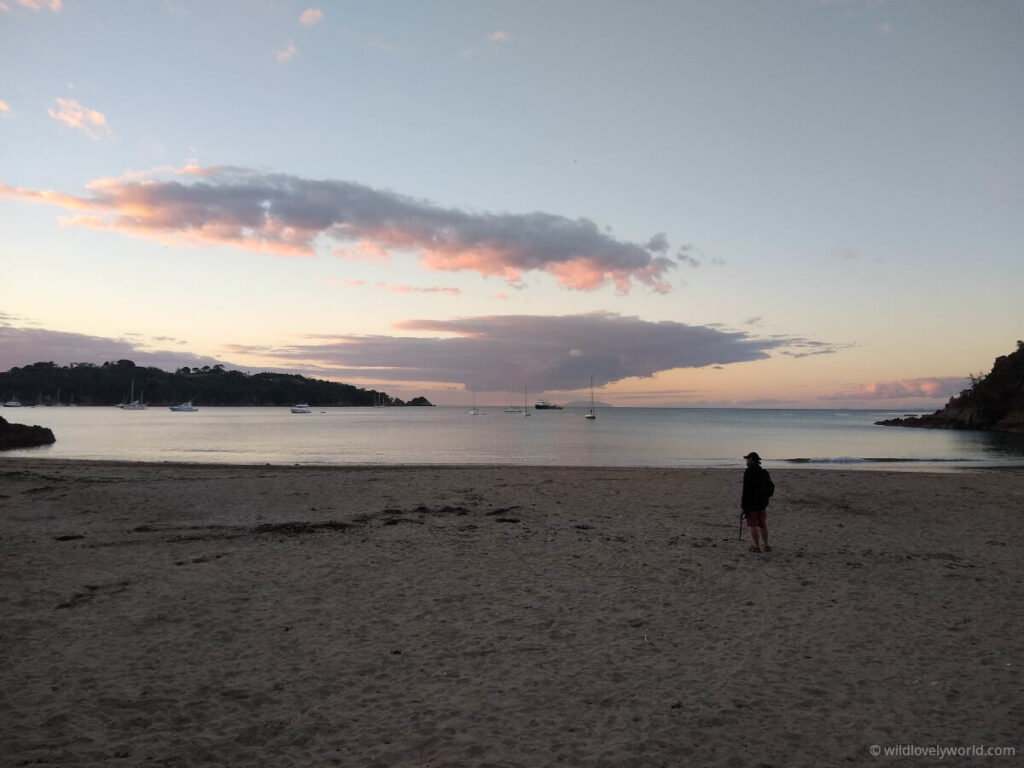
767,486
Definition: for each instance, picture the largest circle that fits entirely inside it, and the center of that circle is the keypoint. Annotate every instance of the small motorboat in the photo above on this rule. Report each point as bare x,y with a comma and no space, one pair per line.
301,408
184,407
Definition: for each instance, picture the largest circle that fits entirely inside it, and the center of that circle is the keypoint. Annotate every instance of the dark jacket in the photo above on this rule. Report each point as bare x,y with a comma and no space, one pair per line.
757,488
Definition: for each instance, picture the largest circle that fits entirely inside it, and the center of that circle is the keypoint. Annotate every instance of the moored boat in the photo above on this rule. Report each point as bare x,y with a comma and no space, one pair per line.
133,404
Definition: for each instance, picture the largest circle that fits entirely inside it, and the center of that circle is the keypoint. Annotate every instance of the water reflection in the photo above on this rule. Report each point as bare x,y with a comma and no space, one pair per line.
1000,444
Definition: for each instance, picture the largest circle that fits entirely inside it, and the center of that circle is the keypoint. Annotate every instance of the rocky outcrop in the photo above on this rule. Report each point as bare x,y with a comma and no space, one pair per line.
419,401
23,436
994,402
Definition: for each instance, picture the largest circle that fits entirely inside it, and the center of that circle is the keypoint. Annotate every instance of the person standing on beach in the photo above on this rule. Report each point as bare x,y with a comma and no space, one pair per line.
757,490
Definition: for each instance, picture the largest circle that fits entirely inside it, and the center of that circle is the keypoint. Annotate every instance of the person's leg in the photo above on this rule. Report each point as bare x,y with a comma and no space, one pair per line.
755,535
764,537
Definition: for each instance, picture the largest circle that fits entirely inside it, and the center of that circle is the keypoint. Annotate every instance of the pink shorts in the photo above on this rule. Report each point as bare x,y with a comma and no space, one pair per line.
757,518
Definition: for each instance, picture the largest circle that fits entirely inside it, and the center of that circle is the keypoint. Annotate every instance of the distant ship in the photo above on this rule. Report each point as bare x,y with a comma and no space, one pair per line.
544,405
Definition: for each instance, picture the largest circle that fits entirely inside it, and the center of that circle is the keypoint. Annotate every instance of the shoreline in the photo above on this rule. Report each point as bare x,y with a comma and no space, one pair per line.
514,616
895,465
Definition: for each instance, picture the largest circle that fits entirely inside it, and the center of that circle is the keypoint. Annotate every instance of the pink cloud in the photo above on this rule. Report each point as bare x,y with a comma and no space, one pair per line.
345,283
485,259
91,122
364,250
498,37
286,53
397,288
36,5
4,107
311,17
290,216
941,388
44,196
419,289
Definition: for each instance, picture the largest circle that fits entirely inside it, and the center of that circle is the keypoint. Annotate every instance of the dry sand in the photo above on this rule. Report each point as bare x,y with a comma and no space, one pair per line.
500,616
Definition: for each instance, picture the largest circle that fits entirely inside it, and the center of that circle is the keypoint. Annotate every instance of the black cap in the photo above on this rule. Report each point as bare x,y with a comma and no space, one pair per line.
753,455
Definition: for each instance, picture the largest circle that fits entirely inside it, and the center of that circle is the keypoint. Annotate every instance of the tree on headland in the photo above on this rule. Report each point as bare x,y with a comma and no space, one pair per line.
112,382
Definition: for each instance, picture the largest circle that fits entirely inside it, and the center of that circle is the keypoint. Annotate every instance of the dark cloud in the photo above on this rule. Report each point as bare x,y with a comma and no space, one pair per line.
287,215
491,353
502,353
24,346
658,243
798,347
686,256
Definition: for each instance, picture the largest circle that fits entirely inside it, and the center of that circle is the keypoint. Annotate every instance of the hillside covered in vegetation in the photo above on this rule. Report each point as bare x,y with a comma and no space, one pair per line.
995,401
112,383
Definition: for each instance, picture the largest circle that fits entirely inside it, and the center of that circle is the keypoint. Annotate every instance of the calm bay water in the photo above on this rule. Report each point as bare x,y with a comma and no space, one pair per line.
631,437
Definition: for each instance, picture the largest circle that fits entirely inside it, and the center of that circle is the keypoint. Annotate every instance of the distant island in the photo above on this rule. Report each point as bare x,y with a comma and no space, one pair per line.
993,402
113,383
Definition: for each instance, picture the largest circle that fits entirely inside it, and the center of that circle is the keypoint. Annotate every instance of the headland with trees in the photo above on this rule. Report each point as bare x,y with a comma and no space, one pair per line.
112,383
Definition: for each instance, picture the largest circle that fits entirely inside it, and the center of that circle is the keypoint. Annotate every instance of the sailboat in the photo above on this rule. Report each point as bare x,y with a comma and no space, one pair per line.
526,410
590,414
133,404
474,411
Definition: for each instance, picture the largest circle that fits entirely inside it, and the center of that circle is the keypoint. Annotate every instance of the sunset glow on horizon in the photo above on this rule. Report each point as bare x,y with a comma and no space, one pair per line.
793,203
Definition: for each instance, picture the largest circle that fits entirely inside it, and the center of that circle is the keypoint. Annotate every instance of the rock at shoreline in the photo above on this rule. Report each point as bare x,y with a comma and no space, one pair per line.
23,436
994,402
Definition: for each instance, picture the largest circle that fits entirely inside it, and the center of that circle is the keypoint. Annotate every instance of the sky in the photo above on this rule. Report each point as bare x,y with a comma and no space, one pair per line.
760,203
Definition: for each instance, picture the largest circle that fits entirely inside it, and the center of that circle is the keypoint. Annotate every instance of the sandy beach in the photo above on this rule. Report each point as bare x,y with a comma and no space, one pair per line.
502,616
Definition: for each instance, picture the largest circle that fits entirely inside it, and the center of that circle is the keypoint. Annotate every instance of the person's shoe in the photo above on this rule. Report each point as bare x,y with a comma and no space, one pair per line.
754,549
767,548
